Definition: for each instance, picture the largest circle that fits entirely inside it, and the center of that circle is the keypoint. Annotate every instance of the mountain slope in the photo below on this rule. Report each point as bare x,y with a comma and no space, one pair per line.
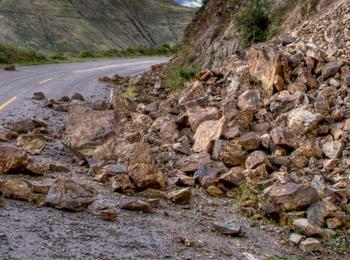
74,25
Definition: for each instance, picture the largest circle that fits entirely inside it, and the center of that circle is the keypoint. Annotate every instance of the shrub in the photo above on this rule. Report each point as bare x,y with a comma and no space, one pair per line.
253,21
176,76
87,54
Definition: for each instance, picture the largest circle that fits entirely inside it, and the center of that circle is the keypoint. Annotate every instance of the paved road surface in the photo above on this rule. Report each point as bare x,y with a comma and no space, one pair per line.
57,80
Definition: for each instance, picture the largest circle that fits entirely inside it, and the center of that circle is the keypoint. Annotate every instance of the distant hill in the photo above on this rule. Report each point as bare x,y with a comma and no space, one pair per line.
75,25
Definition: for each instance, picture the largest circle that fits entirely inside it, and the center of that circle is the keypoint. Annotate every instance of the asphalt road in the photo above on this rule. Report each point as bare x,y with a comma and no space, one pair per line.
57,80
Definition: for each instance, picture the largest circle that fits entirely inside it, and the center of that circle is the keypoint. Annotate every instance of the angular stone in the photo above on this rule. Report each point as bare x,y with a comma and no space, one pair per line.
12,159
16,189
108,215
67,194
206,133
182,196
169,131
91,134
38,96
334,223
283,138
255,159
41,186
197,115
290,196
231,229
146,176
265,65
139,206
249,100
206,176
191,163
306,78
121,183
106,172
303,121
310,245
214,191
38,166
10,67
330,69
77,96
249,141
232,154
194,91
295,239
333,149
32,143
131,154
233,178
307,228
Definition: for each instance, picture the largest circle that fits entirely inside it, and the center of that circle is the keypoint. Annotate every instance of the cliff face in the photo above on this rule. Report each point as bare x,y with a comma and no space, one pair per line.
73,25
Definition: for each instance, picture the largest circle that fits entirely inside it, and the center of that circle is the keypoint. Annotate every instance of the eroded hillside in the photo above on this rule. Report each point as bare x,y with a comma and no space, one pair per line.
75,25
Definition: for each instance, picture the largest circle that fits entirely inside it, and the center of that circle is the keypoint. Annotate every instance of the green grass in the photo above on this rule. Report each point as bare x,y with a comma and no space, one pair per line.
176,75
10,54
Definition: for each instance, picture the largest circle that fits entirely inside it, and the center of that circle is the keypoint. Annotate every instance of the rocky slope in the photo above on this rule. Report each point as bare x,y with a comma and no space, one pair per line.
267,131
70,26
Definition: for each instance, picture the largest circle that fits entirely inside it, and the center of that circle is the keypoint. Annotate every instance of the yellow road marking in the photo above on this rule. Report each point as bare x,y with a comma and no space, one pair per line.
113,66
8,102
44,81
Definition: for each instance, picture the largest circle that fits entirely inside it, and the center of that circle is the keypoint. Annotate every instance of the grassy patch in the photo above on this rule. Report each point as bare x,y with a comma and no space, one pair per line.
11,54
338,243
176,75
130,92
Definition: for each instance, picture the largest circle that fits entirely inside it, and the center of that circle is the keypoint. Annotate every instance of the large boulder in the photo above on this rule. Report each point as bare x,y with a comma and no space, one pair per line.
192,162
303,121
249,100
290,196
67,194
12,159
269,68
206,134
197,115
90,134
146,176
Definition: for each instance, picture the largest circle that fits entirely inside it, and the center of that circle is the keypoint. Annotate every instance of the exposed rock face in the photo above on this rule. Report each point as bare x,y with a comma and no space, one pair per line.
91,134
12,159
67,194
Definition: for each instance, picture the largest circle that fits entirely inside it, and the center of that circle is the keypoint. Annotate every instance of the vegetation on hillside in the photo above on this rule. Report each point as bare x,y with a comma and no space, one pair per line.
258,20
12,55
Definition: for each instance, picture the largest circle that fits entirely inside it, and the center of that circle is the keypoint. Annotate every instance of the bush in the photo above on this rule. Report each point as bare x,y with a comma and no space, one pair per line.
253,22
87,54
12,54
176,76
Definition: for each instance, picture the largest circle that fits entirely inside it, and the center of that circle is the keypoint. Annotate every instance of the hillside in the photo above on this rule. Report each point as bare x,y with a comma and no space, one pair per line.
75,25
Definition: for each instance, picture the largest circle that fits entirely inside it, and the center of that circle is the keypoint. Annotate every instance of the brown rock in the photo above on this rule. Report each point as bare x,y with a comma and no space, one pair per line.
333,149
310,245
169,131
10,67
302,121
305,227
108,215
233,178
16,189
191,163
130,154
41,186
249,100
214,191
121,183
146,176
290,196
194,91
70,195
12,159
182,196
197,115
38,167
306,78
249,141
206,133
330,69
139,206
283,138
91,134
206,176
232,154
32,143
106,172
255,159
265,65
